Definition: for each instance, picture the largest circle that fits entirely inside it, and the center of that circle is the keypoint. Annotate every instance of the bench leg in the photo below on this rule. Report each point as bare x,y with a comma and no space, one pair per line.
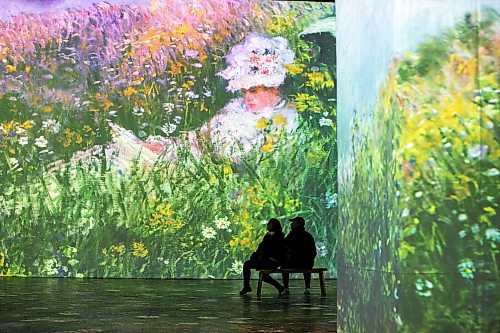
259,285
322,284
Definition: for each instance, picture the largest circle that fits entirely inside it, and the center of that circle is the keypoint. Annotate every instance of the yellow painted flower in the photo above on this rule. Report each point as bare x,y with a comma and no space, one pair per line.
307,102
27,69
139,250
233,242
267,147
279,120
175,68
27,125
295,68
319,80
120,249
48,108
245,242
262,123
10,68
227,170
181,29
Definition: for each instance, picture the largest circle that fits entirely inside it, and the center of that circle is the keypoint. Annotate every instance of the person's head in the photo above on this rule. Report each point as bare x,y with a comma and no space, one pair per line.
258,64
297,222
258,98
274,225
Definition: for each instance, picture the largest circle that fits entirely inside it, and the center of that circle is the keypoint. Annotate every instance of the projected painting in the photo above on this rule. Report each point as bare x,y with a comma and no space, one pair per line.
419,173
156,138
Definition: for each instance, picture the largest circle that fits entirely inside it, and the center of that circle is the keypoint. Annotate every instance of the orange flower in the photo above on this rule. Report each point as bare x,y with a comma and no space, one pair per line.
107,104
129,91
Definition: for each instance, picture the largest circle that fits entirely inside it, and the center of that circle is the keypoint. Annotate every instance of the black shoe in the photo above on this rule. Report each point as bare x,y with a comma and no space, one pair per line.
245,290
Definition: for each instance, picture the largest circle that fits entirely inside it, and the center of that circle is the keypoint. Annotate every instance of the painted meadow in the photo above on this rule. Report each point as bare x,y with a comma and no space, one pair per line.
67,73
430,154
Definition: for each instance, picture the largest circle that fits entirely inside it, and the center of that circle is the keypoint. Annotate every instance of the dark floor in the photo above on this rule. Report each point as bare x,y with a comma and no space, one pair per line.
121,305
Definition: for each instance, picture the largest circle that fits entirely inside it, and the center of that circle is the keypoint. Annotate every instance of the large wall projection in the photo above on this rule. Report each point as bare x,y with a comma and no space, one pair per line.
418,165
129,146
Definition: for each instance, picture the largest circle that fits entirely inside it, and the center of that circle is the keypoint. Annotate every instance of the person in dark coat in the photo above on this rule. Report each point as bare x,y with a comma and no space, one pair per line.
269,255
300,252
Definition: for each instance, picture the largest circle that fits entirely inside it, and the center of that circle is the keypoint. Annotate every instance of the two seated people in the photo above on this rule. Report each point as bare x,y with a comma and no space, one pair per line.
296,250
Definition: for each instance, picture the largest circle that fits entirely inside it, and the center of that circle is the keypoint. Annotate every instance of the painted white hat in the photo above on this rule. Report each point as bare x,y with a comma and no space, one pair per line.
259,61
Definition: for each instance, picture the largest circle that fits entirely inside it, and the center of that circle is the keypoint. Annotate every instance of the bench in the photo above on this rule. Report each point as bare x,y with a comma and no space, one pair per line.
319,271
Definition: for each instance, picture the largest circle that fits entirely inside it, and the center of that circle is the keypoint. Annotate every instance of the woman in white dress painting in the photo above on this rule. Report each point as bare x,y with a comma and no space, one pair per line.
256,68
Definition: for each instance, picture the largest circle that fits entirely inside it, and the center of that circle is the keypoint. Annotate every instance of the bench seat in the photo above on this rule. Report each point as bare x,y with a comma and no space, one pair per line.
318,270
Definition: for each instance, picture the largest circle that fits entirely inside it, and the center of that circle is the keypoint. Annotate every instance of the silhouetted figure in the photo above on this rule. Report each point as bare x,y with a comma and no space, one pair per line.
270,254
300,252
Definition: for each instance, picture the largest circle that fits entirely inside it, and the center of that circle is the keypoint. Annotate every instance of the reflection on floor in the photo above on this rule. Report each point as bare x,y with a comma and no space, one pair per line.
120,305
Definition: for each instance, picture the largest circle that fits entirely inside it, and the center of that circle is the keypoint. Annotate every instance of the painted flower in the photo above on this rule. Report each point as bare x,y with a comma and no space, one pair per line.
477,151
191,53
130,91
191,94
330,200
41,142
492,234
262,123
462,217
325,122
169,107
245,242
52,125
13,161
424,287
138,111
466,268
321,249
23,140
168,128
492,172
267,147
237,267
139,250
222,223
208,232
279,120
